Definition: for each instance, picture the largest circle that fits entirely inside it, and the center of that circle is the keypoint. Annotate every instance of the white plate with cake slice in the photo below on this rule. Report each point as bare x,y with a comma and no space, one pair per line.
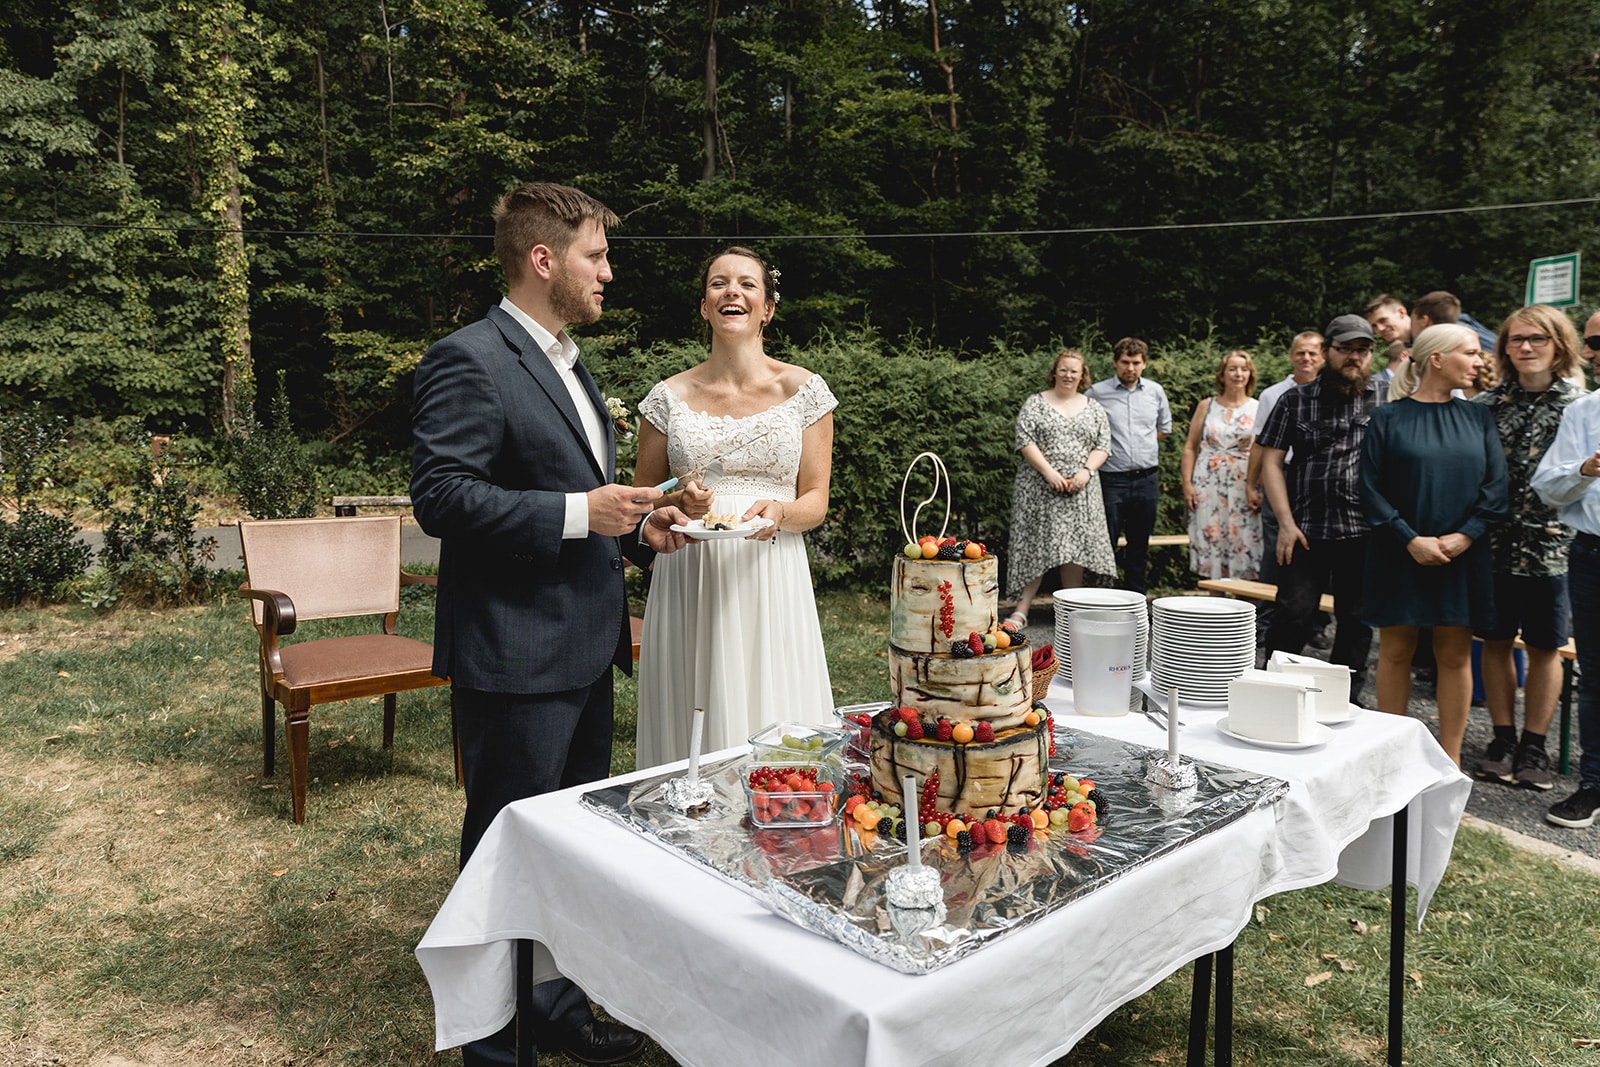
1320,735
697,530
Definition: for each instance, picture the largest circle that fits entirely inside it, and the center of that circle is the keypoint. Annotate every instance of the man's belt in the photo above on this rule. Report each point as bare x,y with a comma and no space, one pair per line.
1143,472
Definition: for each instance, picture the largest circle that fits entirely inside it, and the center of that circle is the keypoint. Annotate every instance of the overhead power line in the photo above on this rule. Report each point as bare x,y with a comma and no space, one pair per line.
1371,216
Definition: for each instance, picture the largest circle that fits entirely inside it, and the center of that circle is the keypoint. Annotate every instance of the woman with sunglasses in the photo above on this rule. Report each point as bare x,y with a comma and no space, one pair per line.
1537,352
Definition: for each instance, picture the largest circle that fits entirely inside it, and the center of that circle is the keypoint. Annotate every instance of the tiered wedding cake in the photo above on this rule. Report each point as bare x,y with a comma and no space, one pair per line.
963,689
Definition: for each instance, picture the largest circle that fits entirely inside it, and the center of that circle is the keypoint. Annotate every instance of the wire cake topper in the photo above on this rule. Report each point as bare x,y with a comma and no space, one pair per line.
941,481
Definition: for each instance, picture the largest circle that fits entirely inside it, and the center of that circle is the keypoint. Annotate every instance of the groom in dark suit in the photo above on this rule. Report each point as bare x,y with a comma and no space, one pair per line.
512,467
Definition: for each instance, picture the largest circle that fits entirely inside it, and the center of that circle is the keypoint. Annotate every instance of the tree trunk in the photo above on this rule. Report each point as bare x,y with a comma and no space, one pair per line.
710,128
238,377
949,88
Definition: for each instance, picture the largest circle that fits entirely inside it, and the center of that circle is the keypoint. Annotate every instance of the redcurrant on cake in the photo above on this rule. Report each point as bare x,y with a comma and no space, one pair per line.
963,688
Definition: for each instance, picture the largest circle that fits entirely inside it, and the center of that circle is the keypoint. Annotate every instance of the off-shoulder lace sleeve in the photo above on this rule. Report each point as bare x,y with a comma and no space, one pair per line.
814,399
654,406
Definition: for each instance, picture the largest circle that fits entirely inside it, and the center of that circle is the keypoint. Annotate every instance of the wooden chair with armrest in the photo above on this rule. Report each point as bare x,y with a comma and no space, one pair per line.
305,569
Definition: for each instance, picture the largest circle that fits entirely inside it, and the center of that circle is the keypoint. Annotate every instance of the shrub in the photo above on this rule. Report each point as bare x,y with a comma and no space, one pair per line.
39,551
151,552
269,468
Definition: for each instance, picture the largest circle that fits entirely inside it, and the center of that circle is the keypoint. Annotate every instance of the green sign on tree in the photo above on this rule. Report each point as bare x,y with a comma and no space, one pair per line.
1553,281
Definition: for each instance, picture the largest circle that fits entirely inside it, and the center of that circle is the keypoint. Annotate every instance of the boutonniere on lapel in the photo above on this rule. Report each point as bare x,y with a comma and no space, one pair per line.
619,415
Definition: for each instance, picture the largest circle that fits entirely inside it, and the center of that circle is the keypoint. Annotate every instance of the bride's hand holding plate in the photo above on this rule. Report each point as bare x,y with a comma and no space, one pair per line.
772,511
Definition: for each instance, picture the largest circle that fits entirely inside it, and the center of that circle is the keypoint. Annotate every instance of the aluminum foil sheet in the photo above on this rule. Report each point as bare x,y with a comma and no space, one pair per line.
825,881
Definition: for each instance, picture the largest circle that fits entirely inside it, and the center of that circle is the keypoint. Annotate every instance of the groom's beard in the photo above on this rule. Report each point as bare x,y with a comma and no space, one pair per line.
1349,381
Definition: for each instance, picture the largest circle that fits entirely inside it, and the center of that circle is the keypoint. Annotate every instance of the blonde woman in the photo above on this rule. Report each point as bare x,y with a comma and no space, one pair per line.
1058,517
1433,481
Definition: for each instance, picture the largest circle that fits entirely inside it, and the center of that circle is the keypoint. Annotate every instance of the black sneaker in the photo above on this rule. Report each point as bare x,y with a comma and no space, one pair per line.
1578,810
1498,763
1532,770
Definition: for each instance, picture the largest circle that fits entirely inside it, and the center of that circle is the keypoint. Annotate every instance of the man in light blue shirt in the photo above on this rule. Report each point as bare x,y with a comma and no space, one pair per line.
1130,482
1568,477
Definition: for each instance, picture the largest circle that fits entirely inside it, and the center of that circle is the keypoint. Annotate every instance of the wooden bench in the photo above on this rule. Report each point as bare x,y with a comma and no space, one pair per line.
1158,540
346,505
1247,590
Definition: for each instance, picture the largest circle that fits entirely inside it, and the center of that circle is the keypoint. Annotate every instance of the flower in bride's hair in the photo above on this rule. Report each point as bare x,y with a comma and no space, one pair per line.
619,415
776,275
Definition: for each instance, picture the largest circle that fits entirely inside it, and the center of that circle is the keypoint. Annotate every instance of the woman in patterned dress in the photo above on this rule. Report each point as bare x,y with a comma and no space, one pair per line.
731,627
1058,518
1224,521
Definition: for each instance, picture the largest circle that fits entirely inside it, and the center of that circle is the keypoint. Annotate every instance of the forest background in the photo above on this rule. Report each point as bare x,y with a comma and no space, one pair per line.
195,197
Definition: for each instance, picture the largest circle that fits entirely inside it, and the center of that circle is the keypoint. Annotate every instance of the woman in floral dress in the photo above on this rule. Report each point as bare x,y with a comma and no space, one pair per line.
1224,522
1058,518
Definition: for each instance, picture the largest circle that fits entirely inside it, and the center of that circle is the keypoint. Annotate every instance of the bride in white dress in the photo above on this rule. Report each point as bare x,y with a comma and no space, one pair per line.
731,625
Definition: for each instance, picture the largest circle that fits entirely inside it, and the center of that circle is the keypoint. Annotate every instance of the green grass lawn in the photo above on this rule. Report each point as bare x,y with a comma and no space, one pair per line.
158,907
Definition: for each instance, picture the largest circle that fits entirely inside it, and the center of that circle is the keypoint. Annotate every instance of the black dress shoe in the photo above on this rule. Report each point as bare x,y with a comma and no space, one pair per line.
600,1042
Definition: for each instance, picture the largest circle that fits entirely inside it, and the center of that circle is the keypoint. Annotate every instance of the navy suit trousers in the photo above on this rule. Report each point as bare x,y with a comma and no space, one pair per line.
514,746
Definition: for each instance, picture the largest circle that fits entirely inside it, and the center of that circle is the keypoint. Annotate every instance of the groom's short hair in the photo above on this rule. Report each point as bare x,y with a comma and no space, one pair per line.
541,213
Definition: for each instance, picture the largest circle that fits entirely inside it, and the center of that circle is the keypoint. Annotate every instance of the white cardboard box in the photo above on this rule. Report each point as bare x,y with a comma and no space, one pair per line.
1272,706
1332,703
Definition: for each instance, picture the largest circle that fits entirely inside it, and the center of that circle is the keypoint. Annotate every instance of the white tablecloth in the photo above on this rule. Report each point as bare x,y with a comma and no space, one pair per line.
1334,821
717,979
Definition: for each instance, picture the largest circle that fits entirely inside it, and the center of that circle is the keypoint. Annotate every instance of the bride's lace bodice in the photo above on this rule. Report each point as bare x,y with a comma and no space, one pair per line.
760,453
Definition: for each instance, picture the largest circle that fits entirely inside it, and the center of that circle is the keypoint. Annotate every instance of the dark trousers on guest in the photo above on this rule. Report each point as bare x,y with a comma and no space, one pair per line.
1130,499
1583,587
519,745
1341,564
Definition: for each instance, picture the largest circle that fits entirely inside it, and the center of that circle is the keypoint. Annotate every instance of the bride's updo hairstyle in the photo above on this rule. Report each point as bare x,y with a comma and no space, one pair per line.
769,276
1445,337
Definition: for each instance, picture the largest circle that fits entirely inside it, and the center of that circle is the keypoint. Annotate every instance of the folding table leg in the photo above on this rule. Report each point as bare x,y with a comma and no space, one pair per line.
1397,936
1199,1011
1222,1051
1566,715
526,1054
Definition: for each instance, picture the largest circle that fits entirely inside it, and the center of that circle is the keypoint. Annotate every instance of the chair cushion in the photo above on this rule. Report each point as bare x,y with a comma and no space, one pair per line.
335,659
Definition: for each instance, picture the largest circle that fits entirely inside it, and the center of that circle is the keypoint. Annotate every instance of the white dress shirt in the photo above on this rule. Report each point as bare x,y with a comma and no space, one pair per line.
1558,479
563,356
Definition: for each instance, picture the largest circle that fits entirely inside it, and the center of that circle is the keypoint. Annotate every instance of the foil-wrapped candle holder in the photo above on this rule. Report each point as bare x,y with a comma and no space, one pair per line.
1169,771
915,885
691,792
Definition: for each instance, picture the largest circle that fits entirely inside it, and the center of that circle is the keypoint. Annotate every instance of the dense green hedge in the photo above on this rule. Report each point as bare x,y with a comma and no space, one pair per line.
898,400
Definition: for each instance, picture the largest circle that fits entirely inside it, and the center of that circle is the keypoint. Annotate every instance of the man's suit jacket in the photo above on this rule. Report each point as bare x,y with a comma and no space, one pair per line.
497,443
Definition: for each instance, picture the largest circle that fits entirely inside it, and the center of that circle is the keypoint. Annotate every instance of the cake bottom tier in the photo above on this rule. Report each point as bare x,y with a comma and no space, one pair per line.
1005,775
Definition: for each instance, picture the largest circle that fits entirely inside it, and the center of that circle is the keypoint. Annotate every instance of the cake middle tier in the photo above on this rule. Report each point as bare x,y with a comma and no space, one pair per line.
997,687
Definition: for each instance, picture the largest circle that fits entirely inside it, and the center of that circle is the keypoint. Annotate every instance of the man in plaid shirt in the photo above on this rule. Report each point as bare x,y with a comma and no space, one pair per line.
1322,533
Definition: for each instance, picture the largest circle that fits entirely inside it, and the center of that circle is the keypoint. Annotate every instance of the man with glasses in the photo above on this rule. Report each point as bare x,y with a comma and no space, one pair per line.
1305,360
1322,531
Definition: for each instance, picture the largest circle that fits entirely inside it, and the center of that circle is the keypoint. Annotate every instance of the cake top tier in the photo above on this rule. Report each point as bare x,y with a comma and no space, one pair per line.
932,601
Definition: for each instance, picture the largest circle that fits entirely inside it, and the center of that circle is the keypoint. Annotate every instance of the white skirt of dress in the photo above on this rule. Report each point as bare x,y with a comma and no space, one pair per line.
731,627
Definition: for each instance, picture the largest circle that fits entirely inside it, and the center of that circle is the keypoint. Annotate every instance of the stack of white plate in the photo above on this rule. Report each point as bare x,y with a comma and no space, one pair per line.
1070,600
1199,644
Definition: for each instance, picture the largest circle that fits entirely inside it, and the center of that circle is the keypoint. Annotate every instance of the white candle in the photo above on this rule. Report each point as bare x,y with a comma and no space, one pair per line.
908,793
1172,727
694,744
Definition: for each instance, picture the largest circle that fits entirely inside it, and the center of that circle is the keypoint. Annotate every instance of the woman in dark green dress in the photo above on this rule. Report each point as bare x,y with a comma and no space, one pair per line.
1433,480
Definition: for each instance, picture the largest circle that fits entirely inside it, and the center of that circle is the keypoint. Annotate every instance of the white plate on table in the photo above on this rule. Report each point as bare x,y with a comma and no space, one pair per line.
1352,712
1320,735
696,529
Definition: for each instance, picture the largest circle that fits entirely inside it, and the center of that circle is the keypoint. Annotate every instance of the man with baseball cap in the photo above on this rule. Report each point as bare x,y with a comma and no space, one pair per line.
1322,532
